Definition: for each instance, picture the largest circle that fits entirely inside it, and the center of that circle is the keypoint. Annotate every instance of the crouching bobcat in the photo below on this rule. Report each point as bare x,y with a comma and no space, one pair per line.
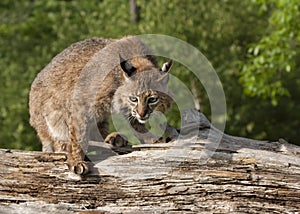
85,83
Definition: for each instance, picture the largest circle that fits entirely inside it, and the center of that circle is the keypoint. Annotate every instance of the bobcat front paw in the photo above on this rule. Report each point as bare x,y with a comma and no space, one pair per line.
79,168
116,140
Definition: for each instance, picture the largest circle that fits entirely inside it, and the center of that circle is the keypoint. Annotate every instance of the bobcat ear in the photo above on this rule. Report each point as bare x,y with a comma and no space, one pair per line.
167,66
127,67
165,69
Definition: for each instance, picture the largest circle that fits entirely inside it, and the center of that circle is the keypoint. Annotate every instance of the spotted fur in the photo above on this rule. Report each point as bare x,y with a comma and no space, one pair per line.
80,85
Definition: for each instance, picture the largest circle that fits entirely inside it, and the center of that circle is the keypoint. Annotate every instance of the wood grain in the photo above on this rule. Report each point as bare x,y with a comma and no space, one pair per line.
193,175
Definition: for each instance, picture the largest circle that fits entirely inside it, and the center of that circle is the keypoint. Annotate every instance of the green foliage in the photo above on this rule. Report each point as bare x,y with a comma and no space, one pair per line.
274,56
253,45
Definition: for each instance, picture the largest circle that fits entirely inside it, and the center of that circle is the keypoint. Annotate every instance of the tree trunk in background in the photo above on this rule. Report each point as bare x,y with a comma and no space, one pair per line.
193,175
134,11
196,95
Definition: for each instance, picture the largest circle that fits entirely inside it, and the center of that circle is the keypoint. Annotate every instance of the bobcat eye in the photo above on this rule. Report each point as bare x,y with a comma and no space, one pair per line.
133,99
152,99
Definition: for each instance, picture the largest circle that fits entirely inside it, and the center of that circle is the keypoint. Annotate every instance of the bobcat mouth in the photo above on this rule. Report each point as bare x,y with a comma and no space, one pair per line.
142,120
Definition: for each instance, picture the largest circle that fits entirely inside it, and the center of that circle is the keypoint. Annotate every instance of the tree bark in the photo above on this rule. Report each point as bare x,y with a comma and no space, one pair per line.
193,174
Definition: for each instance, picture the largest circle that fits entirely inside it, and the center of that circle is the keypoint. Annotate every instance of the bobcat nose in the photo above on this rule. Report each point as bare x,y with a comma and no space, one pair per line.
143,114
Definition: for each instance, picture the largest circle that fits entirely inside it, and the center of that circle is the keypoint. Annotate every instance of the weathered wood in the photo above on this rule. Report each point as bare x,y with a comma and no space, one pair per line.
194,175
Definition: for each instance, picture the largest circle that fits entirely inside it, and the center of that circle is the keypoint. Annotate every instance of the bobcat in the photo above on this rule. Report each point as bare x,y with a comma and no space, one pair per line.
85,83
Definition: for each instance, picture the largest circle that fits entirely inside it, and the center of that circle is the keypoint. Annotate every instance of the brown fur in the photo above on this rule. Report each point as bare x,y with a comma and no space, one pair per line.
77,88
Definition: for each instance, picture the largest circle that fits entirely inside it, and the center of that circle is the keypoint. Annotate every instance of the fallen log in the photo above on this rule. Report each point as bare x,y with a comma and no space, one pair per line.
189,175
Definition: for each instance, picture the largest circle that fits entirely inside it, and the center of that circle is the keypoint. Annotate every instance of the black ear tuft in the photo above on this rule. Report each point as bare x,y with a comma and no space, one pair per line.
127,67
167,66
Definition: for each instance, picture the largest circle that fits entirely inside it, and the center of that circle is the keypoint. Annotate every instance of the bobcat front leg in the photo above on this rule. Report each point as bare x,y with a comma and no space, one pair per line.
116,139
78,146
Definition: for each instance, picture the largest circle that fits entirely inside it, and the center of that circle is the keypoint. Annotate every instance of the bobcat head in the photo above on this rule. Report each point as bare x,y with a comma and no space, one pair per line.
142,92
